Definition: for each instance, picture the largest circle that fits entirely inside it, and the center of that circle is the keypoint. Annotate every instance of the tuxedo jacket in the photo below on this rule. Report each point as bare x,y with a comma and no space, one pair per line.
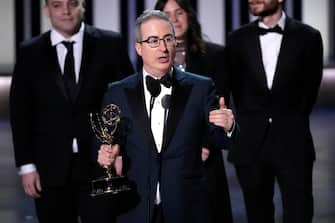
44,121
209,64
178,168
279,115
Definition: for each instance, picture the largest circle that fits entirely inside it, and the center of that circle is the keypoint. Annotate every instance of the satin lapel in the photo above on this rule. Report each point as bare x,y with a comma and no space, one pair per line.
135,96
255,55
51,65
284,58
180,94
87,58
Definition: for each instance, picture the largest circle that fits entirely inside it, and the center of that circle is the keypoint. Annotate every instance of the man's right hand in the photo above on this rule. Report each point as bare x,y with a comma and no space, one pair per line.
31,184
109,155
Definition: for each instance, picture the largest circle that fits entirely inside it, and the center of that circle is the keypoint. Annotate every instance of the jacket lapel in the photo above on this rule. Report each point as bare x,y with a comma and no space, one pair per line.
255,53
51,65
288,43
180,94
87,58
136,99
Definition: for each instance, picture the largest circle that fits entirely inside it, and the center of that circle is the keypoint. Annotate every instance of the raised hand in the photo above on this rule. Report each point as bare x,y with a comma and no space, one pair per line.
222,117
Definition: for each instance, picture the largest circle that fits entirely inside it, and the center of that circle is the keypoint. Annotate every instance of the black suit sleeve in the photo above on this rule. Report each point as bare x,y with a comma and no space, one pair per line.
312,70
21,104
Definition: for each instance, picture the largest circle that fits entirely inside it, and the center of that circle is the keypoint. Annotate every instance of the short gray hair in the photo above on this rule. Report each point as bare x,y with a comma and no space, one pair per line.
47,1
148,15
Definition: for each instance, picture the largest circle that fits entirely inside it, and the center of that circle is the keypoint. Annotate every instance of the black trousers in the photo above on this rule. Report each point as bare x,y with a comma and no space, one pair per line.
295,183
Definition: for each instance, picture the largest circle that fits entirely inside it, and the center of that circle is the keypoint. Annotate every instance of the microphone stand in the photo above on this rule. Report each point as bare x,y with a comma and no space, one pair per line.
166,105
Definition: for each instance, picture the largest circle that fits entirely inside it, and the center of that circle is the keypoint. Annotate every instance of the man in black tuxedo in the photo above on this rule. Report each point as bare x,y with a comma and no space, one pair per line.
162,141
59,78
275,76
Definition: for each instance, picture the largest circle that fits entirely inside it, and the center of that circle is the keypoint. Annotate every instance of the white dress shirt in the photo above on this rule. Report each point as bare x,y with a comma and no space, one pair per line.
270,46
56,40
157,118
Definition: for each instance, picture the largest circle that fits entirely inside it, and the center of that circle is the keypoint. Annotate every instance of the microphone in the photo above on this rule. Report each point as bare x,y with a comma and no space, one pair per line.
166,105
166,101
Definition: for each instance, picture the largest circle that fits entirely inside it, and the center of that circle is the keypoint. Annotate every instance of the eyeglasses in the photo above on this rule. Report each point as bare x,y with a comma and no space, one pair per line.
154,41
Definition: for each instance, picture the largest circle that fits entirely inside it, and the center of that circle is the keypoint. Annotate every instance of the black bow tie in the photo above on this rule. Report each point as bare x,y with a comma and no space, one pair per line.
276,29
166,80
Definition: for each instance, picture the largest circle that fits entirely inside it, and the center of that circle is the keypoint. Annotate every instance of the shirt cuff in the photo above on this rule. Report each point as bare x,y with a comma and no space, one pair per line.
74,145
230,132
27,168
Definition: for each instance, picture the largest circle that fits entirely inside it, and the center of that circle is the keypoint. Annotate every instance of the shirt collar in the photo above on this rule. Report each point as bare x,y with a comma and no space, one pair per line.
145,73
280,23
57,38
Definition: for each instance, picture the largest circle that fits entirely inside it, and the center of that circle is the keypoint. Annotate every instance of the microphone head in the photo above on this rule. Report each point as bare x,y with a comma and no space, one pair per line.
153,86
166,101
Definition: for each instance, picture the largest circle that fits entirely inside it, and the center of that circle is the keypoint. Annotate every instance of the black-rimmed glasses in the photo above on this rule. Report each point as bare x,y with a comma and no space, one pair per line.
154,41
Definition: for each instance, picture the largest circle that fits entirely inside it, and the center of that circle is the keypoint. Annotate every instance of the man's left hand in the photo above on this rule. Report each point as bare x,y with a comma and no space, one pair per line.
222,117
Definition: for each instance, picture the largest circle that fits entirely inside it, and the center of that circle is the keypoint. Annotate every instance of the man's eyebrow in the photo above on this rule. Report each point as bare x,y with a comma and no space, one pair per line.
152,37
168,34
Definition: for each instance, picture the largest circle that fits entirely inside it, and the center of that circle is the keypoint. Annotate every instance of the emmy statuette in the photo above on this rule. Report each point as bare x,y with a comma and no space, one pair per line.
104,126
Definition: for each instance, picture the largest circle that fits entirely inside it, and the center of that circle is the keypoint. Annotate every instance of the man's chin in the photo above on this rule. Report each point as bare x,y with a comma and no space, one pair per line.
262,12
256,11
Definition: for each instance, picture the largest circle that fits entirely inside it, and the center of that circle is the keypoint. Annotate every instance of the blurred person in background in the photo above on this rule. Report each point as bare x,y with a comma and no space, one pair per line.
275,69
59,78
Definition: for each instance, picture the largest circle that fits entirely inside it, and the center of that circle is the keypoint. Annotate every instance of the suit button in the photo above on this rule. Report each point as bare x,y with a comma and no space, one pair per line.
270,120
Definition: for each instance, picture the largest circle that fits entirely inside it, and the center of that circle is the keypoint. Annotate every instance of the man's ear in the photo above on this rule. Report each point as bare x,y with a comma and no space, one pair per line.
83,4
138,48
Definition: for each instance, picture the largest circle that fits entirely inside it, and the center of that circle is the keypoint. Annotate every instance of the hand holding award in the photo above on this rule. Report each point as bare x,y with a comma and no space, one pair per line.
104,126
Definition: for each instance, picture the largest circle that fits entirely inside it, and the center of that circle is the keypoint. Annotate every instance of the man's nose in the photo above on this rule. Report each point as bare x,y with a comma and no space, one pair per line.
162,44
66,9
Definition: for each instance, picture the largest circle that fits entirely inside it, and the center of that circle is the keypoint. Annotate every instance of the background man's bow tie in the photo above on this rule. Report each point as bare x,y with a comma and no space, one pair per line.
276,29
